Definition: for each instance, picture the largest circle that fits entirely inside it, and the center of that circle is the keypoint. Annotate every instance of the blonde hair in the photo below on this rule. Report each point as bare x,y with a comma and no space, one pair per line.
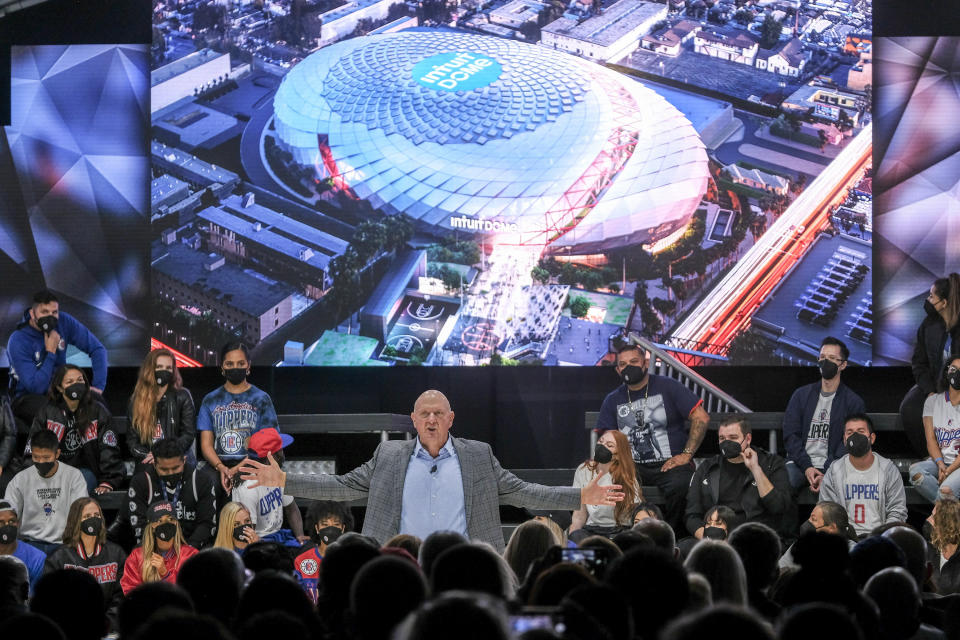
946,524
228,520
147,571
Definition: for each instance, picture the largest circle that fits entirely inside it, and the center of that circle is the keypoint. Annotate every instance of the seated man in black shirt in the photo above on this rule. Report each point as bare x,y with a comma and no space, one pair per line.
748,480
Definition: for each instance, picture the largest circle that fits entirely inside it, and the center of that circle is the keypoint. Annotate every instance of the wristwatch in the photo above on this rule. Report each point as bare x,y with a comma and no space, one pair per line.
687,451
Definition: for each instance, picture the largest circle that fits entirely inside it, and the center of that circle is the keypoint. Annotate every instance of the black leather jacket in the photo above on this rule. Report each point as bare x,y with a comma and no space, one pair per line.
928,352
176,418
8,432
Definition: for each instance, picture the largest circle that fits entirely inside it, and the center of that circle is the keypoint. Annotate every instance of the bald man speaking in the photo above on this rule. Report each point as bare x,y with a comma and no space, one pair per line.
433,483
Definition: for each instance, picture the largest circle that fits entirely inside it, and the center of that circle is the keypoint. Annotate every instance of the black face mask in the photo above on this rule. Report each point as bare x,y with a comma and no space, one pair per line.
858,445
730,449
807,527
929,308
75,391
238,532
163,377
601,454
235,375
44,468
327,535
953,380
165,531
828,369
91,526
715,533
632,374
47,323
8,533
173,479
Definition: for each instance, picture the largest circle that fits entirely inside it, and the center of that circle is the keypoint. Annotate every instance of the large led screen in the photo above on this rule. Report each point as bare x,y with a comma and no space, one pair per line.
377,184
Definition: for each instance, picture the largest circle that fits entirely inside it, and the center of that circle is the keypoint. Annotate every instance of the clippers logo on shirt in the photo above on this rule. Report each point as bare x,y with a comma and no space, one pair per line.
308,567
234,423
271,501
102,572
74,437
948,438
860,499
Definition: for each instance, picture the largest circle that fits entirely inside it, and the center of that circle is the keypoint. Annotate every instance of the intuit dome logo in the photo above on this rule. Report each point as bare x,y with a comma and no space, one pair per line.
463,222
457,71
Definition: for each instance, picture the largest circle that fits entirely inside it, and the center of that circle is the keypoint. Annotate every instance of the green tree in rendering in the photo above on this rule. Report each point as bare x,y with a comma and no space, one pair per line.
579,306
770,32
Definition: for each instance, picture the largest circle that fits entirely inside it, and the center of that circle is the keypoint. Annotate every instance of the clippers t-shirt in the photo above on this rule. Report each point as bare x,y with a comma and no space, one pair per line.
818,435
233,418
946,424
652,419
861,494
265,505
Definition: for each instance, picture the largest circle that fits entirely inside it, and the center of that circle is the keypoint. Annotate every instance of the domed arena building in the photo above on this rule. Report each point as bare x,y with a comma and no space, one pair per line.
497,137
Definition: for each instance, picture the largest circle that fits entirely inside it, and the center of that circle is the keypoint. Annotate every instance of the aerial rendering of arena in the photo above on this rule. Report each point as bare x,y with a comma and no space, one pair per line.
492,136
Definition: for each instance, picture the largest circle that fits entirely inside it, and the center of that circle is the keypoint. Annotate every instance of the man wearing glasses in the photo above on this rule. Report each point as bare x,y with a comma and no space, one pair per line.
813,421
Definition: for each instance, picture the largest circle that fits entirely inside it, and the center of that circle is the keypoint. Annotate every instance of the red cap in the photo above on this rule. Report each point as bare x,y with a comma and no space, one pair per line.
267,441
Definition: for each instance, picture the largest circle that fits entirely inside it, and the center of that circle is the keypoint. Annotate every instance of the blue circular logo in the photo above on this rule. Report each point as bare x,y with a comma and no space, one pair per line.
457,71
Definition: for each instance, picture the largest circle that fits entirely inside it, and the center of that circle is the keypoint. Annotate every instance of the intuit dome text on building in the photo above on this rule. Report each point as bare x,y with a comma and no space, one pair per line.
476,133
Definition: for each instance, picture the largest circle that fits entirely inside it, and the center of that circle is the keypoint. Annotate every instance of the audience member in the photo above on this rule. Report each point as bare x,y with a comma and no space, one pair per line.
643,510
559,533
278,624
235,530
85,546
82,425
271,591
42,494
748,480
895,593
730,621
609,547
14,585
872,554
658,598
719,563
630,539
553,584
528,543
182,625
937,477
613,463
717,523
467,567
31,557
383,593
460,615
868,485
814,420
30,625
341,563
938,340
433,464
269,505
74,601
759,549
325,522
651,411
9,462
601,612
660,532
819,620
229,415
435,544
945,536
410,544
168,477
915,551
160,409
701,593
162,552
38,347
138,605
214,579
268,556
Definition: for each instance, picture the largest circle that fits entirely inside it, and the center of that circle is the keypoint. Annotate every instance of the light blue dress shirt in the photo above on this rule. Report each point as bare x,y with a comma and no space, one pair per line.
433,493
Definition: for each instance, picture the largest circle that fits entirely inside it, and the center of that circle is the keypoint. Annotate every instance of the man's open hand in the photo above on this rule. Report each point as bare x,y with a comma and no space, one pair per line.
263,475
607,496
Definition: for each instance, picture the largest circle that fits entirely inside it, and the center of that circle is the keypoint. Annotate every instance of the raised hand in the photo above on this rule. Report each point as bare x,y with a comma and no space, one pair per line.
607,496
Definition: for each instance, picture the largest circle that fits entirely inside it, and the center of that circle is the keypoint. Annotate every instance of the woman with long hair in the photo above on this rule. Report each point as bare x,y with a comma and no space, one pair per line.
85,546
82,425
938,342
162,553
160,408
235,530
612,459
945,538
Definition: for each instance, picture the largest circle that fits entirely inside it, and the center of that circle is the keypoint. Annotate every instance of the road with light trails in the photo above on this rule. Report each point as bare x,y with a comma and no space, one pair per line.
727,309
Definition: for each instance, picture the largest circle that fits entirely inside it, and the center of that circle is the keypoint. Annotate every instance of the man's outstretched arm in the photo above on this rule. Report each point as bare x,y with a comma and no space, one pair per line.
350,486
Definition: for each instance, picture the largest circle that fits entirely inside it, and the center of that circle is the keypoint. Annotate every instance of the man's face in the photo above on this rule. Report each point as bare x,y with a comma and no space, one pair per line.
858,426
832,353
816,519
628,357
168,466
8,517
734,433
45,309
44,455
432,418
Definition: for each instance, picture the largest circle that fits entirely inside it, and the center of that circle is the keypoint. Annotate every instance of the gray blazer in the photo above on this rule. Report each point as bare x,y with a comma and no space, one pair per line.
486,485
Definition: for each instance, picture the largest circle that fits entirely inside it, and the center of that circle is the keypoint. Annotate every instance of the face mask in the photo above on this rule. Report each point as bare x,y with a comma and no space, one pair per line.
327,535
235,376
730,449
165,531
44,468
601,454
91,526
47,323
828,369
929,308
926,530
858,445
238,532
8,533
632,374
954,380
173,479
164,377
715,533
75,391
807,527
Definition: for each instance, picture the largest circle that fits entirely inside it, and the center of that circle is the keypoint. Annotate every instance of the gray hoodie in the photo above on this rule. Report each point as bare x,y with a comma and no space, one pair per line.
893,499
